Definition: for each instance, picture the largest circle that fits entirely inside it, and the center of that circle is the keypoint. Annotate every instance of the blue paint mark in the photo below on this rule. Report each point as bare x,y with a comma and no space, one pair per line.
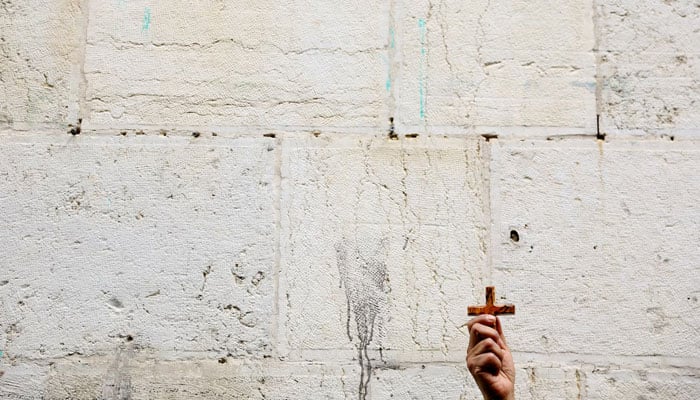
1,353
392,46
587,85
146,20
421,78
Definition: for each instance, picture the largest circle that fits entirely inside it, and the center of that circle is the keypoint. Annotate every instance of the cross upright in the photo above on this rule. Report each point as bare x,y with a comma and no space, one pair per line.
490,307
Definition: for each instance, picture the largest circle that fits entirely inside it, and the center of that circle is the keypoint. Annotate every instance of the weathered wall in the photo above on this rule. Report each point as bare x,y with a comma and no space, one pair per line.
298,200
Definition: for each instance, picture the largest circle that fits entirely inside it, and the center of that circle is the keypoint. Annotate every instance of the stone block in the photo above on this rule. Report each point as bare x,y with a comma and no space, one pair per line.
649,67
622,383
136,377
596,246
425,382
167,242
463,65
382,242
40,56
22,381
259,65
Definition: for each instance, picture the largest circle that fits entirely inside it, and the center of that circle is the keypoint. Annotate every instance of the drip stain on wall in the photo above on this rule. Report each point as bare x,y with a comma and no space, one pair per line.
364,277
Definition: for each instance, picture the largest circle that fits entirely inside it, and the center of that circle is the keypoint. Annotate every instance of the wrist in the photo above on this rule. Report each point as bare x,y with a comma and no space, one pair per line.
510,396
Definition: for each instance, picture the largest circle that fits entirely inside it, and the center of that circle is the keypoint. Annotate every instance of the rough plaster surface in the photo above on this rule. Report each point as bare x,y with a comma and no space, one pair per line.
494,64
40,45
410,257
235,63
247,212
391,281
649,66
143,378
127,238
586,214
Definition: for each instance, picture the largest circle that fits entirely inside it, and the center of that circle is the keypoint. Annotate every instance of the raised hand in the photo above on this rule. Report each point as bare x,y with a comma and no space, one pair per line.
489,360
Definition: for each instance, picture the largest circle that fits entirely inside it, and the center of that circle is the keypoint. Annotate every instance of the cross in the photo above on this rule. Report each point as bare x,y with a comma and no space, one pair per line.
489,307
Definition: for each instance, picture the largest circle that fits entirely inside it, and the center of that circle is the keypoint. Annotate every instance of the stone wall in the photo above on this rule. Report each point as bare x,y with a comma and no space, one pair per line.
299,200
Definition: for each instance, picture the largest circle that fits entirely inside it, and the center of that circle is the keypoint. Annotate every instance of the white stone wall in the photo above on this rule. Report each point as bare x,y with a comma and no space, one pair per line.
299,200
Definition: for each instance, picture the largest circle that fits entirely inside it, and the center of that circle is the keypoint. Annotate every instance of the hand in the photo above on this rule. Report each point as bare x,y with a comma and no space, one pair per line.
489,359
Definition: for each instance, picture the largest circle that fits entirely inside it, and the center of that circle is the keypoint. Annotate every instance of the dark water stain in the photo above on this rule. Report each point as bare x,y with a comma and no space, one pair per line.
365,279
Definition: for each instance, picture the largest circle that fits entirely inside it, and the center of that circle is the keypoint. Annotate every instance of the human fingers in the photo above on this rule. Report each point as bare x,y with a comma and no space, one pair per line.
499,329
484,362
479,332
487,346
486,319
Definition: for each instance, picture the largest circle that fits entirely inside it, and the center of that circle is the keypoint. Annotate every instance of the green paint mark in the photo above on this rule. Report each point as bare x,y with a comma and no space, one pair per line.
146,20
421,77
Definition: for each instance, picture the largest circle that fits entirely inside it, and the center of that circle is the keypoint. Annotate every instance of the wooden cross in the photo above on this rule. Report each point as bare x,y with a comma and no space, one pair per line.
489,307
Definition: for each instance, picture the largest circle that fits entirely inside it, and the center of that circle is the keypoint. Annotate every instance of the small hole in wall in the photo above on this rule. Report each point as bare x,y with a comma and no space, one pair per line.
75,130
222,360
514,236
129,338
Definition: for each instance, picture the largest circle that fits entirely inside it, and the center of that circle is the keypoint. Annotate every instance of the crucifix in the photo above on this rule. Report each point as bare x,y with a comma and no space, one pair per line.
490,307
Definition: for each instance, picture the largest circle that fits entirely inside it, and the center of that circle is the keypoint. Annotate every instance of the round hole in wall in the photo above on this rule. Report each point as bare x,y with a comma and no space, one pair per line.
514,236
